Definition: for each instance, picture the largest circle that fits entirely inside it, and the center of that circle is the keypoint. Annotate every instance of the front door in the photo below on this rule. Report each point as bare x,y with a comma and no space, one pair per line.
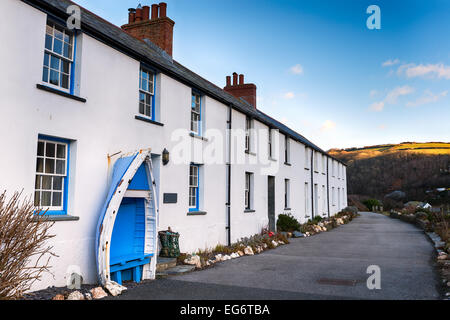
271,202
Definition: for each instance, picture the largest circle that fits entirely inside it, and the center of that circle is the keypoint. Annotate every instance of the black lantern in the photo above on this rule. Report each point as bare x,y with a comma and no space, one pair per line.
165,156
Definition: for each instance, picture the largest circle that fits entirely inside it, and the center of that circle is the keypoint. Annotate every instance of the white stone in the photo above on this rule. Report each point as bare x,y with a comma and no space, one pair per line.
218,257
194,260
249,251
98,293
234,255
114,288
240,253
274,243
88,296
76,295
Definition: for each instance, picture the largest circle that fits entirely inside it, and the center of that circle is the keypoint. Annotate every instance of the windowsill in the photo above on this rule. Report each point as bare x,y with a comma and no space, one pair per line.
306,168
249,152
249,210
316,171
288,209
59,217
272,159
288,164
148,120
59,92
196,213
194,135
324,173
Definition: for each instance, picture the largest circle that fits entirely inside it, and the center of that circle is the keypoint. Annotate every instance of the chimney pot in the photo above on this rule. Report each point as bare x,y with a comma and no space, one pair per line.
162,9
235,78
155,8
138,14
145,13
228,81
131,15
241,79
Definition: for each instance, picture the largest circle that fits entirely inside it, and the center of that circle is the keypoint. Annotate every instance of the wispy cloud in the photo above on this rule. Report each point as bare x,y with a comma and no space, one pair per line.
390,63
430,70
391,98
426,98
297,69
289,95
328,125
373,93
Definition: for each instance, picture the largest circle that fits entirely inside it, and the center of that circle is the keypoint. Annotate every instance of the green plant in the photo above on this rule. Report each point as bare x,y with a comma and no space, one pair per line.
287,223
317,219
370,203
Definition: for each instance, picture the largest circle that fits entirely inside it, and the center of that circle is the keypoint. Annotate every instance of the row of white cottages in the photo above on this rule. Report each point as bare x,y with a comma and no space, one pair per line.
74,100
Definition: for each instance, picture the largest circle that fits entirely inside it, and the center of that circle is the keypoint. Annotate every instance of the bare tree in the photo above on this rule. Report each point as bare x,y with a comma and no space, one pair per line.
24,252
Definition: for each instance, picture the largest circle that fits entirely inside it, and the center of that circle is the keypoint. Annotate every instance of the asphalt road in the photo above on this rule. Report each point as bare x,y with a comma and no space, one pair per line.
330,265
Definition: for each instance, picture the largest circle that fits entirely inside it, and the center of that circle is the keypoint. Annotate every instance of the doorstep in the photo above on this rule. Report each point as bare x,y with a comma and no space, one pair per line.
177,270
165,263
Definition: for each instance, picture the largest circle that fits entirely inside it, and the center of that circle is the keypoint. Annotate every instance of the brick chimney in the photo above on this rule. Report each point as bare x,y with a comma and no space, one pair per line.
246,91
157,28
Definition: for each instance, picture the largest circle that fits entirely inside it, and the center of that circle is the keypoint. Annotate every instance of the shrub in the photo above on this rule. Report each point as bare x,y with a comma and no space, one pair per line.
24,255
287,223
317,219
370,203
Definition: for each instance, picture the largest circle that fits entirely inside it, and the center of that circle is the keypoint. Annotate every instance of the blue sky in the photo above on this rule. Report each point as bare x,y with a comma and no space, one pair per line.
318,68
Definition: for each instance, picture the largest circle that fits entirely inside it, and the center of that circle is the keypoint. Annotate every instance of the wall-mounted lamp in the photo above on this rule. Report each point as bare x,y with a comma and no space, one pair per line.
165,156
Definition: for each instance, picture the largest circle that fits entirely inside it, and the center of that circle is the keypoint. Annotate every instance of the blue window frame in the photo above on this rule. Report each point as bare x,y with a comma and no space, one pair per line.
147,80
51,179
194,185
196,114
59,62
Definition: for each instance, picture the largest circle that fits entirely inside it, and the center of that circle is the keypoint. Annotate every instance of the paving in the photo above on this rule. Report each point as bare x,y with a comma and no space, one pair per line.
329,265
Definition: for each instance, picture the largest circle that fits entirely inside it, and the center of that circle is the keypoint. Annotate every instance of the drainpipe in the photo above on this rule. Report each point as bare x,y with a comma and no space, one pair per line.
228,172
312,184
328,190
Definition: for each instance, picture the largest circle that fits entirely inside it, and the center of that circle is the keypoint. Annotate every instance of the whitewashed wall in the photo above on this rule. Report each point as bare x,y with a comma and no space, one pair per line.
105,124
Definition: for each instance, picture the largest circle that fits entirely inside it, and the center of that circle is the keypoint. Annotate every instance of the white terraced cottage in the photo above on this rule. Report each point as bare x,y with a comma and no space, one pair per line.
74,101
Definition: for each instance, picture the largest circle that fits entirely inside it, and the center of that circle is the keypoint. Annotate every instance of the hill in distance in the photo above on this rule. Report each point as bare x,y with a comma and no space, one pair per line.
409,166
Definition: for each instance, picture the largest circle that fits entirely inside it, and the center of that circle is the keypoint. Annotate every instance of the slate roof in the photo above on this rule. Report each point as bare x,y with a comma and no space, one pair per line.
149,53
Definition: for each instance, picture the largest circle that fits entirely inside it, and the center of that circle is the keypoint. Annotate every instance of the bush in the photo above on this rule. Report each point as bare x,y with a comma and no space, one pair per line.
370,203
24,255
317,219
287,223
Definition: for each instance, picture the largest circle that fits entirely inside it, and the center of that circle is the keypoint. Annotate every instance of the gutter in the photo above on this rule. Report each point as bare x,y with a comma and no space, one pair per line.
312,184
228,172
328,189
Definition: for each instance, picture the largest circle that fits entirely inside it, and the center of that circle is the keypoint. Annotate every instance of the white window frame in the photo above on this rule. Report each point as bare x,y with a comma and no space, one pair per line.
287,193
194,186
39,190
307,158
248,203
47,69
307,199
248,133
147,93
196,112
287,149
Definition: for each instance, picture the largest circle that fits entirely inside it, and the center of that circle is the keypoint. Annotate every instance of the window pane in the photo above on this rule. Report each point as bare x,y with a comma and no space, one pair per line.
40,150
60,167
40,165
45,201
49,165
45,74
144,85
56,201
46,183
37,196
141,97
141,108
50,149
54,63
54,77
64,81
48,42
37,184
148,111
58,46
49,30
58,32
65,67
67,38
46,59
61,151
57,183
144,75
